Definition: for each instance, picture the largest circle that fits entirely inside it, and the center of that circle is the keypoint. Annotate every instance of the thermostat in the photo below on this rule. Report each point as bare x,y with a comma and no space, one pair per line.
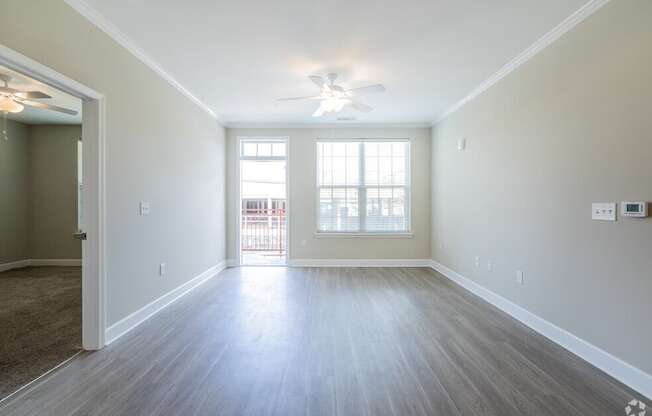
633,209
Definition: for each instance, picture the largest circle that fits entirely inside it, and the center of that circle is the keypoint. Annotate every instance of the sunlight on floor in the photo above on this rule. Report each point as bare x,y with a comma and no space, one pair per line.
255,258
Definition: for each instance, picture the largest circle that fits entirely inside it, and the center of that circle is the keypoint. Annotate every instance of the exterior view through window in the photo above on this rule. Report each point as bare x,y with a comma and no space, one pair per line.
363,186
263,219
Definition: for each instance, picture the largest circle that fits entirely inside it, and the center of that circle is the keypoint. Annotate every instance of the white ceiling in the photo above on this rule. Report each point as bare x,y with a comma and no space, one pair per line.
31,115
238,57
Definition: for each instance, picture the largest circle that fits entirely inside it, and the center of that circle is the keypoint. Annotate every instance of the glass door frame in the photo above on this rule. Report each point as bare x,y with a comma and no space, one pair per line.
238,202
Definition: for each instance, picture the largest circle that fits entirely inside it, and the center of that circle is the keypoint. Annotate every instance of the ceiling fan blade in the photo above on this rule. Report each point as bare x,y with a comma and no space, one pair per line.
319,112
32,94
309,97
360,107
367,90
48,107
24,94
8,90
318,81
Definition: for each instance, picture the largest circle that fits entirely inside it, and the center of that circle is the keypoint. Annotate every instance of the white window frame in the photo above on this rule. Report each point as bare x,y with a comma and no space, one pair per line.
362,200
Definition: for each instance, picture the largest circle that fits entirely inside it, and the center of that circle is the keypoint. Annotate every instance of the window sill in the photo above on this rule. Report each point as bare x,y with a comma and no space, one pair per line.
363,235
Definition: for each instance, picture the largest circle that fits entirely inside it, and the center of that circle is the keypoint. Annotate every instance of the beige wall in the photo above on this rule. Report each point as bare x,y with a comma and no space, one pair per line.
570,127
14,197
303,197
38,189
53,192
160,147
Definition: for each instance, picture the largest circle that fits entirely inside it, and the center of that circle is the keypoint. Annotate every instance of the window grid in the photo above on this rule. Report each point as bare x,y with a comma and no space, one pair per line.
370,200
263,149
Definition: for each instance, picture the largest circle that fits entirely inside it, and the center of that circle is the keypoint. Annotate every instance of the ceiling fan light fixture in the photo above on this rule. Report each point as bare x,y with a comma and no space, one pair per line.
333,104
7,105
333,98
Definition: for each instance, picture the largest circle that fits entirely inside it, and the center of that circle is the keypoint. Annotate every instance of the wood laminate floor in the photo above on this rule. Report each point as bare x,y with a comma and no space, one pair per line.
327,341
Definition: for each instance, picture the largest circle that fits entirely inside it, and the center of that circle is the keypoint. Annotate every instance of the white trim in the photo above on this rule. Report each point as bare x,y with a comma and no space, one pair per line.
558,31
94,133
134,319
15,265
36,70
94,224
39,262
325,234
105,25
24,387
363,139
626,373
359,263
56,262
238,202
340,125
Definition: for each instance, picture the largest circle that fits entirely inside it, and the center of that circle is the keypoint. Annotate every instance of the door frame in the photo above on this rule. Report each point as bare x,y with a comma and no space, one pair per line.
94,179
238,202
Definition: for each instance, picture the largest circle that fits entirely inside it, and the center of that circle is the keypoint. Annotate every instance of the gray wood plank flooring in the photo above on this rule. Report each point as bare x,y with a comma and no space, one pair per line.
328,341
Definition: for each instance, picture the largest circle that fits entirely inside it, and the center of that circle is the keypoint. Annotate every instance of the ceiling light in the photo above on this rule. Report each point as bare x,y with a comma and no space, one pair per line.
333,105
7,105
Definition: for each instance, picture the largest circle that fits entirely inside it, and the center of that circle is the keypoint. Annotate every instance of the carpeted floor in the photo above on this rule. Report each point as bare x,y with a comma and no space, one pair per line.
40,322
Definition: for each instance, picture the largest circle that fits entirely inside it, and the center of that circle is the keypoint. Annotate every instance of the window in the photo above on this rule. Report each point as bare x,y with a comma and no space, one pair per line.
262,149
363,186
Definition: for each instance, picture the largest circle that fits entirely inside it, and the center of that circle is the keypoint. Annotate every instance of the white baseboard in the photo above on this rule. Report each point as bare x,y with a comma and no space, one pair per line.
14,265
55,262
130,322
39,262
625,373
359,263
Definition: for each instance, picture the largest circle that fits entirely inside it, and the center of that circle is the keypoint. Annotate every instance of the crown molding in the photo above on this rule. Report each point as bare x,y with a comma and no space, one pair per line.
102,23
327,125
549,38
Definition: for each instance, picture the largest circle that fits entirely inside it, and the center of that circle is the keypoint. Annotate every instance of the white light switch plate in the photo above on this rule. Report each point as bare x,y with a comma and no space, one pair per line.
144,208
519,277
603,211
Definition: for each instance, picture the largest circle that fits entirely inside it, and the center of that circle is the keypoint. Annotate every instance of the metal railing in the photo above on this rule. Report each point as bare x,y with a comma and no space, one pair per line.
263,229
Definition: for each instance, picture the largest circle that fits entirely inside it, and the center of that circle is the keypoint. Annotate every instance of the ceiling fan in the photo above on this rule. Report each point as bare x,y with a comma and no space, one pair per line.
14,101
333,98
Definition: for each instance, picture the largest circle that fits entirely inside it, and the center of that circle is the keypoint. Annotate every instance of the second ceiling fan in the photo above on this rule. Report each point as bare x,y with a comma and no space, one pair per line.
333,98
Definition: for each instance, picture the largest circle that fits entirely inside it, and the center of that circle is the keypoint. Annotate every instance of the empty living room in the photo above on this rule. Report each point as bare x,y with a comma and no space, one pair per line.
347,208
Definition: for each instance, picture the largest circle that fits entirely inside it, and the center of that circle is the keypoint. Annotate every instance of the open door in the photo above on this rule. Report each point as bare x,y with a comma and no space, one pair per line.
263,202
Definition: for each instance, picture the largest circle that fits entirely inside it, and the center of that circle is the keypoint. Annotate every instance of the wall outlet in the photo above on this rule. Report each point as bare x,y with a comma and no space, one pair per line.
461,144
490,266
477,262
519,277
161,269
144,208
303,243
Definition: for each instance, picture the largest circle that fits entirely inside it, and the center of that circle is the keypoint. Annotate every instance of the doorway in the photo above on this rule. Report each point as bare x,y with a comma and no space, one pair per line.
40,250
263,204
90,211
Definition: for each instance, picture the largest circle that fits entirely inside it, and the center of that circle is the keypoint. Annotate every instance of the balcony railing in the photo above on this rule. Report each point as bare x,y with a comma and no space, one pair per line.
263,229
